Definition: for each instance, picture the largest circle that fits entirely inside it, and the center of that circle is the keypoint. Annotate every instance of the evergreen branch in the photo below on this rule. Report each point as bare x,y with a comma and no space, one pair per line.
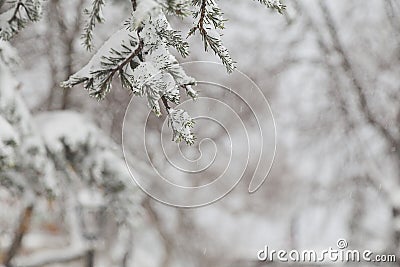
165,103
202,15
14,15
180,8
134,5
22,12
97,75
128,59
145,65
29,11
181,124
172,38
212,16
274,4
105,85
23,227
142,10
221,51
95,16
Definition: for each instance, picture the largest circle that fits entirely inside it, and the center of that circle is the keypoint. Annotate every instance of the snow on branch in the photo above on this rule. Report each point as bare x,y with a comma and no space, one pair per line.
143,63
18,14
31,169
181,124
97,75
171,37
274,4
59,256
139,53
76,143
8,143
143,10
94,16
210,20
181,8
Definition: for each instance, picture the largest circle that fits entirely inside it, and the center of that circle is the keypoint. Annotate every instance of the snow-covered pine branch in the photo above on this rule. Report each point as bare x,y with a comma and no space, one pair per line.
16,15
24,164
274,4
139,54
76,144
8,143
115,57
210,20
142,62
182,124
180,8
94,16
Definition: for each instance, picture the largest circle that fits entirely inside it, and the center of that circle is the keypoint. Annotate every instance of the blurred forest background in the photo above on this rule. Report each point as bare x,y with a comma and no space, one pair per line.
330,71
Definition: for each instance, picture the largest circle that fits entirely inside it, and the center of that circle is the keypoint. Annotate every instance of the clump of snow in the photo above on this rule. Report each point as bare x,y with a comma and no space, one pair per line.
7,132
4,18
181,124
77,143
90,198
8,54
65,128
121,37
32,169
8,141
144,9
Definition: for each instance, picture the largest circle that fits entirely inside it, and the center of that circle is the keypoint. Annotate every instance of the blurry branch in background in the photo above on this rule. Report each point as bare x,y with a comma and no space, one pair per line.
350,123
95,16
210,15
392,8
392,141
69,40
75,250
336,91
17,16
358,210
23,226
59,30
274,4
166,238
28,172
341,97
210,21
54,18
52,256
180,246
351,95
348,68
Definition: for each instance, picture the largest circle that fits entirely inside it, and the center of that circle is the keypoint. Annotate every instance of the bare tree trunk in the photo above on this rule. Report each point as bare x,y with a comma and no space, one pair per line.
90,258
68,71
21,230
51,17
69,40
68,36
